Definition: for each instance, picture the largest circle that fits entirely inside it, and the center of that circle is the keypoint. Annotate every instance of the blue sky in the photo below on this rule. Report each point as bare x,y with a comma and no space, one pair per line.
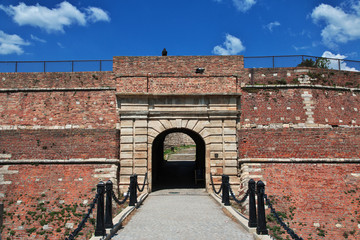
101,29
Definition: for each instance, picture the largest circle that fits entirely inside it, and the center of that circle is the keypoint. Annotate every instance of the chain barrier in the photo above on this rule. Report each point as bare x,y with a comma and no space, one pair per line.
86,217
213,187
280,221
137,185
237,200
122,201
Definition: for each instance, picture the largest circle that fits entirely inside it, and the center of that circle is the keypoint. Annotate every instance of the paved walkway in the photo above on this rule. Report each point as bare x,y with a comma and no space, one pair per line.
181,214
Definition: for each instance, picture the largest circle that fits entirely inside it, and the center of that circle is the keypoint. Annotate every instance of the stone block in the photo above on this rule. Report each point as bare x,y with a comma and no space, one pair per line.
126,171
141,131
126,147
230,170
140,155
126,139
141,147
141,124
126,155
140,163
126,163
126,123
126,131
140,170
141,139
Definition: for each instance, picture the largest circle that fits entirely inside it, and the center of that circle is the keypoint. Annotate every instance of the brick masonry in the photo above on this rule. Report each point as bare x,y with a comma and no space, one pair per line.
297,129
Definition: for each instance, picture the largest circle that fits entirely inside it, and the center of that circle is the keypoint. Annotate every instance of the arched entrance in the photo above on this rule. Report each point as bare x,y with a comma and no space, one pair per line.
178,174
209,119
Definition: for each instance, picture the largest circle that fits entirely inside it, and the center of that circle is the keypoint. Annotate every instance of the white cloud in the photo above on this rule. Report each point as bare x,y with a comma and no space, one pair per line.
231,46
334,64
300,48
341,27
243,5
97,14
271,25
35,38
10,44
60,45
55,19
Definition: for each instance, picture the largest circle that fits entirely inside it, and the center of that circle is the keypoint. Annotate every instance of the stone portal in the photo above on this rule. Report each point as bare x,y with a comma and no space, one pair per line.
211,120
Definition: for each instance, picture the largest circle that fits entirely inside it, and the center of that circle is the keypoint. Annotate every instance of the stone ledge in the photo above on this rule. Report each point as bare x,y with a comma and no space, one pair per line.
60,161
56,89
147,94
336,88
295,126
299,160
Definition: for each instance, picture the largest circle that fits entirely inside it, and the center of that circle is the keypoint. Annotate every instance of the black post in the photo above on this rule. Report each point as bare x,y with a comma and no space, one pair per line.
252,204
225,190
261,221
133,190
273,61
108,208
1,215
100,223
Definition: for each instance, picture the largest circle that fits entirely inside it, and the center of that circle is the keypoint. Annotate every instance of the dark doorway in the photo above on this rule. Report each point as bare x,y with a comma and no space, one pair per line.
171,171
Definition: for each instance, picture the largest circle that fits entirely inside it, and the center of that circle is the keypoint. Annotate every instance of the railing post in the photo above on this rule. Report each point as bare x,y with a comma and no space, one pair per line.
108,208
133,192
339,64
100,65
225,190
252,204
44,66
100,223
261,220
273,60
72,66
16,66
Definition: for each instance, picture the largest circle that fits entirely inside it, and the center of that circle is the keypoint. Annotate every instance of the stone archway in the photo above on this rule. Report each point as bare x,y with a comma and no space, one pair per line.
212,118
180,173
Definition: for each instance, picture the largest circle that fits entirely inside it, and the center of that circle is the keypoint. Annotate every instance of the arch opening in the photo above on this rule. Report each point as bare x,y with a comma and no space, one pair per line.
180,170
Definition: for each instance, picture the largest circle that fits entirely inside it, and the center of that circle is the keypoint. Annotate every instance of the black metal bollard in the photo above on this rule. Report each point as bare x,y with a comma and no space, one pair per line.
225,190
108,208
133,190
261,220
100,223
252,204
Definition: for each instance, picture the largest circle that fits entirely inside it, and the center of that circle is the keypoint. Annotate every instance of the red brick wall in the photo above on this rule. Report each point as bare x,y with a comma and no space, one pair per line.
178,65
81,108
60,144
337,107
176,85
327,77
324,194
271,106
50,195
56,80
299,143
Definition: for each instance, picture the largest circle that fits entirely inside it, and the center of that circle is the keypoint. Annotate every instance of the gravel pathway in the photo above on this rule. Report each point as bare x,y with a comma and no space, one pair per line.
181,214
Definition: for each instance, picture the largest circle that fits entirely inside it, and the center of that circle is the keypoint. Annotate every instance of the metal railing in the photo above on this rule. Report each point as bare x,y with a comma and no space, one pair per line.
294,60
106,65
56,66
257,217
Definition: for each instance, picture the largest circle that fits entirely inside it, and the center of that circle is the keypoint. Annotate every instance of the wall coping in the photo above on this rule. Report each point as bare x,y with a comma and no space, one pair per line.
56,89
285,86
